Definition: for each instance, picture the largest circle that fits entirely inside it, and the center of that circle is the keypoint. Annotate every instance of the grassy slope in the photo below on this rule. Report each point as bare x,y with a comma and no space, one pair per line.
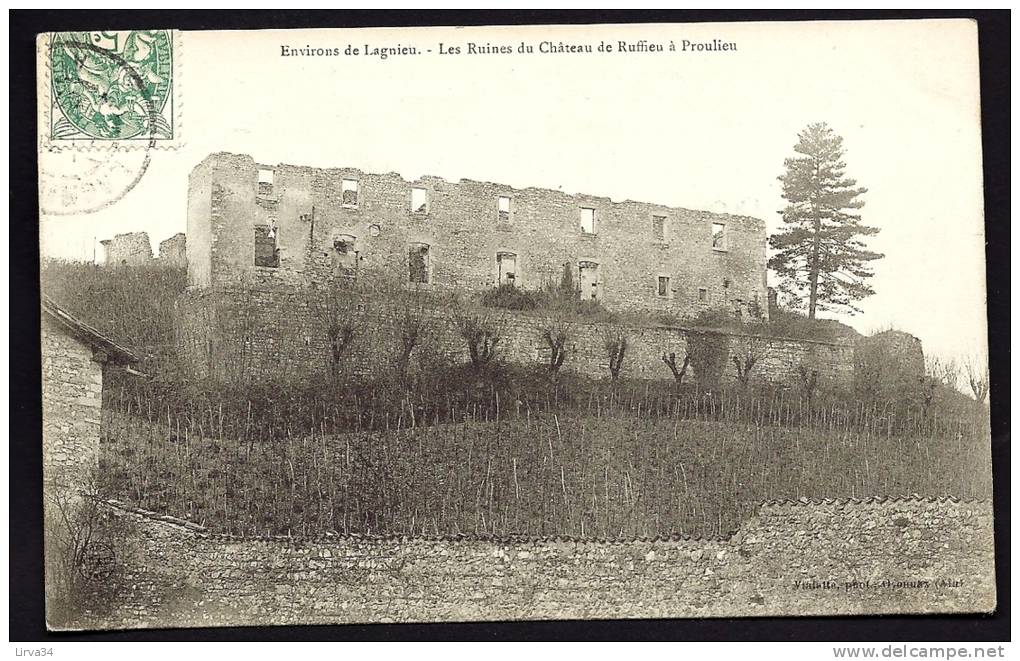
619,476
133,304
622,475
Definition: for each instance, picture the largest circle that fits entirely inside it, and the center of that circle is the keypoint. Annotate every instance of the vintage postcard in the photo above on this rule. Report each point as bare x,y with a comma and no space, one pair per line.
511,323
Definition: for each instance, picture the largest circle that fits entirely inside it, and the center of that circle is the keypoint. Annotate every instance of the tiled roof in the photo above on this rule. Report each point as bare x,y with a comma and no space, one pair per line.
87,334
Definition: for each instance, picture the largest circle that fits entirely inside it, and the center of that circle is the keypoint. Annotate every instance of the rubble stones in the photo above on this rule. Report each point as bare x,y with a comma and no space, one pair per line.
946,547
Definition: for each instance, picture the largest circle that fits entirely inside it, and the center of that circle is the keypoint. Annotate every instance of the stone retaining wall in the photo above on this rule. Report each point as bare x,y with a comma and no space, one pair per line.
281,331
794,557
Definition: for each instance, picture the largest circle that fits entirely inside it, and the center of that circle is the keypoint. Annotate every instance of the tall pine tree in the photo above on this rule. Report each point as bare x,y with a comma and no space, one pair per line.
820,251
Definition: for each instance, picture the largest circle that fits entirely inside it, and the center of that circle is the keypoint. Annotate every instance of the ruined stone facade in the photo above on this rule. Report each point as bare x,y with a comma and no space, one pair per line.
131,249
887,364
291,224
269,246
173,251
134,249
897,351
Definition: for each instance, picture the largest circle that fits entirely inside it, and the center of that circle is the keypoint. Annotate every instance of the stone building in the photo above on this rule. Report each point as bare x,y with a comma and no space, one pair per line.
131,249
300,225
74,359
74,356
173,251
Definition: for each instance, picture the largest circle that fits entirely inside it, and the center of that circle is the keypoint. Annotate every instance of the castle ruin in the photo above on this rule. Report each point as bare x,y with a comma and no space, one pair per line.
269,246
131,249
298,225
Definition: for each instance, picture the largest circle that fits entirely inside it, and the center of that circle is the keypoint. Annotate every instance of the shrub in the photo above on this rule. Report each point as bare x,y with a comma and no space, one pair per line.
79,549
342,310
708,352
588,309
977,378
717,319
782,323
567,281
509,297
788,323
553,300
889,365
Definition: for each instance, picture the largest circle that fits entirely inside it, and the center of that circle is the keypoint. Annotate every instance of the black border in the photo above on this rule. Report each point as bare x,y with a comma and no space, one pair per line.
26,595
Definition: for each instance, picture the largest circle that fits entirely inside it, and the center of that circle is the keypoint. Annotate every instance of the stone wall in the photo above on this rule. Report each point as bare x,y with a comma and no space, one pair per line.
872,556
131,249
888,364
173,251
282,331
230,195
72,387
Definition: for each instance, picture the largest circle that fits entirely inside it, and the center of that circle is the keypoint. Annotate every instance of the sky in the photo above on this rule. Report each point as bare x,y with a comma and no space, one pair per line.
702,130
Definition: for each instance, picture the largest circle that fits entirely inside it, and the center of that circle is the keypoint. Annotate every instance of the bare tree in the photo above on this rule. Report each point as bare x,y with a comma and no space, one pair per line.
411,328
976,370
808,381
678,372
615,344
78,549
482,335
938,373
342,309
237,358
945,372
556,336
752,350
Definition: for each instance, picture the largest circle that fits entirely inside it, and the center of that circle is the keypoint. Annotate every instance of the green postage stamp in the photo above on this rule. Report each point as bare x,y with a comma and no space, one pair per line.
110,87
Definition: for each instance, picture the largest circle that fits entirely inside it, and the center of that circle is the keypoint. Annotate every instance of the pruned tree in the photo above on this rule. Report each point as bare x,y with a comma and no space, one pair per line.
342,310
820,248
341,336
751,351
482,335
240,314
808,381
976,371
555,336
411,328
615,344
678,372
